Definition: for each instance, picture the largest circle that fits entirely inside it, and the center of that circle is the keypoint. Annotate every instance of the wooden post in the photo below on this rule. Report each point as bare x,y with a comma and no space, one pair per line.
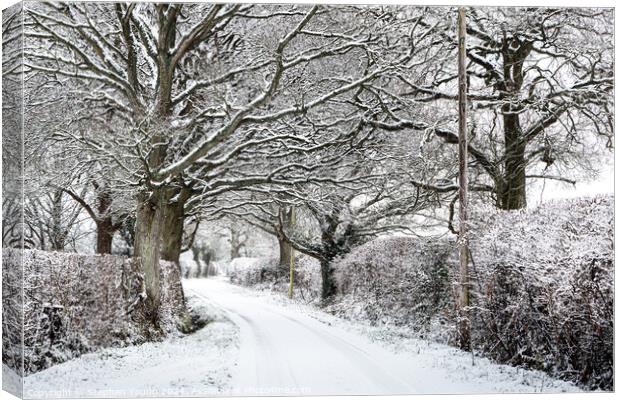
464,340
292,264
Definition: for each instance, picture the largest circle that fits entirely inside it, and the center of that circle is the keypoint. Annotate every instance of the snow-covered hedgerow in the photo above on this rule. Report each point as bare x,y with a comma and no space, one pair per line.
267,274
543,288
76,303
400,281
12,311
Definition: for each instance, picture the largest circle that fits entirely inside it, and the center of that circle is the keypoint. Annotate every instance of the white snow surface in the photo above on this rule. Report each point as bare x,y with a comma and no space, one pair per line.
260,343
295,349
11,381
198,364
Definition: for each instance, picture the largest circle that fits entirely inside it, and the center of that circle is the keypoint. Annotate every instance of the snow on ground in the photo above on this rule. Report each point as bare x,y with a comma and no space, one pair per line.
11,382
260,343
290,348
198,364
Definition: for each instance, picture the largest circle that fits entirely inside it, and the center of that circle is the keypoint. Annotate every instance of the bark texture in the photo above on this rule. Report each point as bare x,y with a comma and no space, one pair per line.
105,234
285,253
511,192
173,225
510,187
149,221
328,284
284,245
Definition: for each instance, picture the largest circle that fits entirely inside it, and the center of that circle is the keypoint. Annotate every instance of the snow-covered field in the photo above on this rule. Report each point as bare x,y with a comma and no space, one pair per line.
261,344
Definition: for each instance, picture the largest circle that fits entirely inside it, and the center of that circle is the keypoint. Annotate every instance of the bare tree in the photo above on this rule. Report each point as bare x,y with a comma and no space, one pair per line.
51,220
12,138
101,211
169,132
541,93
369,193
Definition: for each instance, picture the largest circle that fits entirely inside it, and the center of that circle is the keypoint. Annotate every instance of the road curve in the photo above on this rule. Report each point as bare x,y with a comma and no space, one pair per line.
283,350
288,353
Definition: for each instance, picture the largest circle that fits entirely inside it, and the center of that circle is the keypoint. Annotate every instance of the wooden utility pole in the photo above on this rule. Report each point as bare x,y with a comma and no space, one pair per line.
292,264
463,182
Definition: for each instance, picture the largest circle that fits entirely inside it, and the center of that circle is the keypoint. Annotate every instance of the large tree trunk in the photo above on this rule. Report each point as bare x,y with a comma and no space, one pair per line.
331,249
172,231
511,192
328,284
286,217
149,221
285,253
159,236
173,224
152,203
105,234
511,189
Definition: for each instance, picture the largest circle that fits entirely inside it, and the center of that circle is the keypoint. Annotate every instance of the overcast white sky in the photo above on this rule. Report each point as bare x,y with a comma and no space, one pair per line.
539,192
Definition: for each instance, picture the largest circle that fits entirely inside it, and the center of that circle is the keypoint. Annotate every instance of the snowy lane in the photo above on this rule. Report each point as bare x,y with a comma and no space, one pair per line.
288,353
258,343
290,349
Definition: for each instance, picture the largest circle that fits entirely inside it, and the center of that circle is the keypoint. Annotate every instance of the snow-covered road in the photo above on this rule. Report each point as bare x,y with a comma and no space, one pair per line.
283,352
289,349
258,343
